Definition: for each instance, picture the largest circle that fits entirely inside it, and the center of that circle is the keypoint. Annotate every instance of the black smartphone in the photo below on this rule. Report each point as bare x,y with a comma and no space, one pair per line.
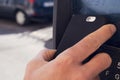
79,27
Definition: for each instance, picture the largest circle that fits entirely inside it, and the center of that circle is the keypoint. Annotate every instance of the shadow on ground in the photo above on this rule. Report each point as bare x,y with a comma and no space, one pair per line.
9,26
49,44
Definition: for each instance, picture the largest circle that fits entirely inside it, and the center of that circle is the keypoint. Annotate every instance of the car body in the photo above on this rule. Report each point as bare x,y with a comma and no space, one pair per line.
25,10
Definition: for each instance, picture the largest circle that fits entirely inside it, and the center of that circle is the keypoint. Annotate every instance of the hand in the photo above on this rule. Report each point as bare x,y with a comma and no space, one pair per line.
68,65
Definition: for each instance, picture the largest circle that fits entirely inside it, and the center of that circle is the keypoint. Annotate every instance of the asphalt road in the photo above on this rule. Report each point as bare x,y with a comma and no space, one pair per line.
18,45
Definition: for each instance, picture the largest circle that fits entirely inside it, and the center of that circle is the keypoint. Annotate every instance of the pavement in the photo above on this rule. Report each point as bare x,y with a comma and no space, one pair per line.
18,45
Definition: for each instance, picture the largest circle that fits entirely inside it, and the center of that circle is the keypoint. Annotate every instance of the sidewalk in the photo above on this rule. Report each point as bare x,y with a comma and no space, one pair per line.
16,50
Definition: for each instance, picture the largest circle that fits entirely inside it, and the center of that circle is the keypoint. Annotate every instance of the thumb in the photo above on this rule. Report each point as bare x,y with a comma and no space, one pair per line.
48,54
97,78
43,57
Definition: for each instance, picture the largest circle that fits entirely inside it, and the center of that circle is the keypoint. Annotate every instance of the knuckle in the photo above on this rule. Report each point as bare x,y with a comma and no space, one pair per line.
95,42
84,76
59,63
85,46
65,59
90,42
69,55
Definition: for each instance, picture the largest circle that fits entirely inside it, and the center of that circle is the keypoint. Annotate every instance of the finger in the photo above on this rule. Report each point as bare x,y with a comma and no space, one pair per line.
42,58
97,78
90,43
96,65
46,54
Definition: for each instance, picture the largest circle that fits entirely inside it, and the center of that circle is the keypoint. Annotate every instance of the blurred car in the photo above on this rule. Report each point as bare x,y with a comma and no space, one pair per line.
25,10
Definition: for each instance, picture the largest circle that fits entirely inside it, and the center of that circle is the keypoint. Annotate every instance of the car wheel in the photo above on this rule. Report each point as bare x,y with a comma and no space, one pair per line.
21,18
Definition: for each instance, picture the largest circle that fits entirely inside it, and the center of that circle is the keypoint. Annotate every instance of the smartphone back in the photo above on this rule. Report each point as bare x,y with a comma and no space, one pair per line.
79,27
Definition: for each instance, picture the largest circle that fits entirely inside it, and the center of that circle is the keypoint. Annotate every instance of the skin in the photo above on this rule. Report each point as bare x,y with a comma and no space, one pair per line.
68,65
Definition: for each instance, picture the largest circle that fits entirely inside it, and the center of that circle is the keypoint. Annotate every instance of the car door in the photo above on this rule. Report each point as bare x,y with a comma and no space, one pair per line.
10,7
2,6
7,8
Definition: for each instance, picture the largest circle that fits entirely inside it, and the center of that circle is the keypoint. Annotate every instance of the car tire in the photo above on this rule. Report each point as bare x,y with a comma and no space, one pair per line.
21,18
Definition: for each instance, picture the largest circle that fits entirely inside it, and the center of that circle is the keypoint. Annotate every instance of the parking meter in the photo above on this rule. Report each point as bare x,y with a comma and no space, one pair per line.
71,25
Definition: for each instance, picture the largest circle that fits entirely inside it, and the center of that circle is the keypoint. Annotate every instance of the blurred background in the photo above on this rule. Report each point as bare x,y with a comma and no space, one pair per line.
25,29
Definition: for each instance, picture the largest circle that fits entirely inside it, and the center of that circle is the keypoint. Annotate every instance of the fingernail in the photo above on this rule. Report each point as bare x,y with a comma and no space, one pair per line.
108,58
112,27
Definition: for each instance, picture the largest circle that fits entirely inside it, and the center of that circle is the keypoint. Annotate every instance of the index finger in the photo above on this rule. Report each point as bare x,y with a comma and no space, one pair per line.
84,48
